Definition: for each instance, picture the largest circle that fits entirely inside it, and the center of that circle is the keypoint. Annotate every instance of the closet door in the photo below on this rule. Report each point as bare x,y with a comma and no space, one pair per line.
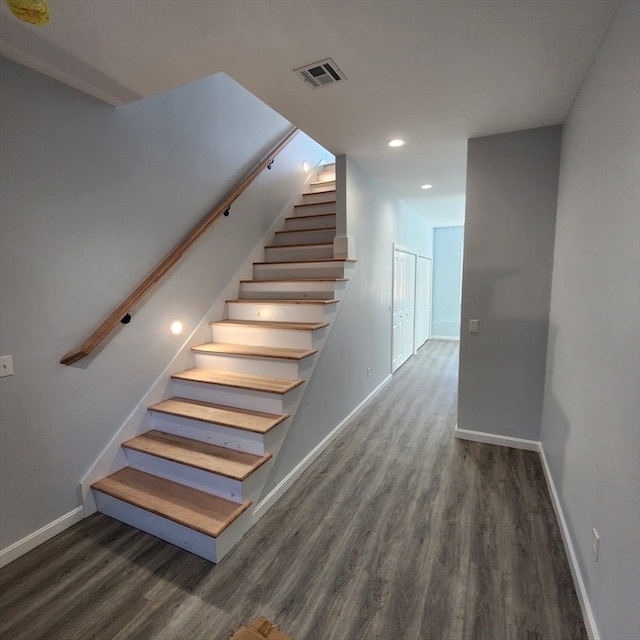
404,281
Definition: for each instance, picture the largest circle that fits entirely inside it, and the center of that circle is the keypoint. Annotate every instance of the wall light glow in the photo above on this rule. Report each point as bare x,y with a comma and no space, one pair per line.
396,142
305,167
176,328
426,186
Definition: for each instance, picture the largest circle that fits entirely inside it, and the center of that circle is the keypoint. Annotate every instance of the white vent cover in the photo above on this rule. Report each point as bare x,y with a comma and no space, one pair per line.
320,74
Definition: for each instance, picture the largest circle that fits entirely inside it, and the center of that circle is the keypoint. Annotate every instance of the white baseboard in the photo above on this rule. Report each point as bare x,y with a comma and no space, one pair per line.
280,489
36,538
581,592
493,438
456,338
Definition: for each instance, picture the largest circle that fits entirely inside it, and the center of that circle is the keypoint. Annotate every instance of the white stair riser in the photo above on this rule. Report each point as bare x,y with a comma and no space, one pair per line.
158,526
279,312
315,204
206,481
221,435
328,175
305,237
290,290
231,396
291,271
310,222
302,252
272,367
321,187
262,337
323,195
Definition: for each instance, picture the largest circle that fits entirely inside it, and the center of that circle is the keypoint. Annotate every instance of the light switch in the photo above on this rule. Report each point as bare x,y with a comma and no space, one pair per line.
474,326
6,366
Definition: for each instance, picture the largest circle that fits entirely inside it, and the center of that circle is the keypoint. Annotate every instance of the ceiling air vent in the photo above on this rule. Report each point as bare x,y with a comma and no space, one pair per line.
320,74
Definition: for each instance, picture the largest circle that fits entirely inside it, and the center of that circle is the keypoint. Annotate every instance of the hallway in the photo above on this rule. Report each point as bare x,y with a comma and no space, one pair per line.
396,532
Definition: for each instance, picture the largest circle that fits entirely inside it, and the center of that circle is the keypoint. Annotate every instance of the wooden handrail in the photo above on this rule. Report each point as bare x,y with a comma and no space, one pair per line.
148,283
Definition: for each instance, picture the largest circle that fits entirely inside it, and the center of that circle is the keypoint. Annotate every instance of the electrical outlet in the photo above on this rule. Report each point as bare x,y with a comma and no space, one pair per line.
595,545
474,326
6,366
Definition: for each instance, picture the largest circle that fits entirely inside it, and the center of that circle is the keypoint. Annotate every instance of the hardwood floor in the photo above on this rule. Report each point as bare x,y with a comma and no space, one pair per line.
397,532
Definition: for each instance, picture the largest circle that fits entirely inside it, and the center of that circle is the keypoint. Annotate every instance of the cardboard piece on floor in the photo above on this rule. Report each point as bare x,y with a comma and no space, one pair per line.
260,629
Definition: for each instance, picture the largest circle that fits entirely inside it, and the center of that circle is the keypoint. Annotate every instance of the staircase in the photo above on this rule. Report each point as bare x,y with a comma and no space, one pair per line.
196,476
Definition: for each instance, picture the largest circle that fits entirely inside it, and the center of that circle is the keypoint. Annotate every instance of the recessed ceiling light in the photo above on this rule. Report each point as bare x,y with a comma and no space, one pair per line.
305,167
426,186
396,142
176,328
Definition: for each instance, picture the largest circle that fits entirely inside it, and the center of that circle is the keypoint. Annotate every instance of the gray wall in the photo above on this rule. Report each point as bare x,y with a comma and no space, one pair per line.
361,335
590,423
508,256
92,198
447,278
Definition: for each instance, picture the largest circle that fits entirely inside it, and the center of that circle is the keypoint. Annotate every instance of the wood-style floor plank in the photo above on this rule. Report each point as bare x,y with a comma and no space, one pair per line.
396,532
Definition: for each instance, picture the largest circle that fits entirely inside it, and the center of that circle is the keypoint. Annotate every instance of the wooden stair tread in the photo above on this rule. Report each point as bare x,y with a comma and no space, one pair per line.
230,463
239,380
310,230
302,280
299,244
323,184
282,301
315,204
244,419
307,262
192,508
310,215
265,324
254,350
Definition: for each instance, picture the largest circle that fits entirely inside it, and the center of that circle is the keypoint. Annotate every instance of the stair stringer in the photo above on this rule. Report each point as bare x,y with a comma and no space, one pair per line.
112,458
266,500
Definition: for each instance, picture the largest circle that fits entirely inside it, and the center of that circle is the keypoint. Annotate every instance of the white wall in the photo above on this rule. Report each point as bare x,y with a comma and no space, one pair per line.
512,183
447,279
361,335
92,198
442,211
591,418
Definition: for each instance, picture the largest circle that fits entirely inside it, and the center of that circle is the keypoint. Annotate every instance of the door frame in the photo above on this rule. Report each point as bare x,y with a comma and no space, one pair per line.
401,249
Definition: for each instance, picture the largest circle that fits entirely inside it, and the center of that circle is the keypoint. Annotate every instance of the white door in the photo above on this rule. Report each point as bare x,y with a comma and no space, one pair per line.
423,301
404,280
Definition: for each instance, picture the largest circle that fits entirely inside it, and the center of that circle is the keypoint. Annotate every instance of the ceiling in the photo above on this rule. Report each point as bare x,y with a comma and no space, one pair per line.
432,72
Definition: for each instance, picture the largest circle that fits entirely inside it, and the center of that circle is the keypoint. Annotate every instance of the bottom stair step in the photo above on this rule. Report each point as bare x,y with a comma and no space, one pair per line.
197,510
